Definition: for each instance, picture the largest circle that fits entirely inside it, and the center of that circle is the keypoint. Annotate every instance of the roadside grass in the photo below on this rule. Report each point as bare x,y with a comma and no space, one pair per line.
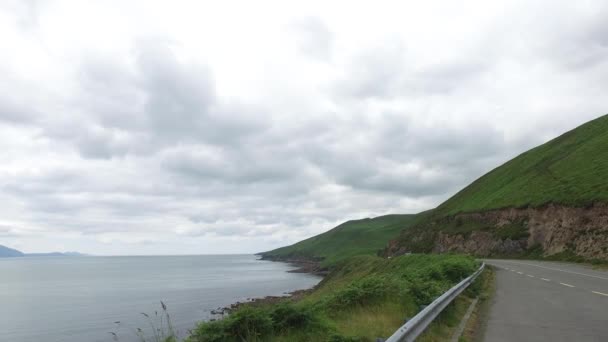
446,324
363,298
486,287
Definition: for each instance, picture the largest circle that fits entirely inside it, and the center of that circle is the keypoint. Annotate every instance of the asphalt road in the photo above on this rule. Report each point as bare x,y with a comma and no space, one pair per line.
548,301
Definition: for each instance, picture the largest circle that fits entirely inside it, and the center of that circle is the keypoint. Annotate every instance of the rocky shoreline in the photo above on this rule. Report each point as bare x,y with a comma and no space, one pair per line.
302,266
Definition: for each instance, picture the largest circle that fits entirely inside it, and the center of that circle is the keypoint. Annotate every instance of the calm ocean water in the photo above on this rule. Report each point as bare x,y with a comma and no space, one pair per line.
56,299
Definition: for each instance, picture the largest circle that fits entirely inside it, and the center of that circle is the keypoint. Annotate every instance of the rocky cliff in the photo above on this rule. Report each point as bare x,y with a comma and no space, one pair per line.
551,230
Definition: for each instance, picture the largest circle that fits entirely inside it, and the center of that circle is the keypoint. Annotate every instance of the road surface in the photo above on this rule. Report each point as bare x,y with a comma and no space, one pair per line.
547,301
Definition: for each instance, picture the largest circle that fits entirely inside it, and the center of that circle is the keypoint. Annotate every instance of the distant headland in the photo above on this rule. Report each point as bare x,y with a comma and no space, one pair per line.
6,252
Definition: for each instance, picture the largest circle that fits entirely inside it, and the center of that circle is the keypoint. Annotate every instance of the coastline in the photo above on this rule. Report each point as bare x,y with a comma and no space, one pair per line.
303,265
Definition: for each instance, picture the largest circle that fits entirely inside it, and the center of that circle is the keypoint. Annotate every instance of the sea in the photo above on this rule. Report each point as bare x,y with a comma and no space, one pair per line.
82,299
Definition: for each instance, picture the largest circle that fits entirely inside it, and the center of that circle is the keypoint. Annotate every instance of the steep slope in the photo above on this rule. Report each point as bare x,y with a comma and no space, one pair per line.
366,236
550,201
6,252
571,170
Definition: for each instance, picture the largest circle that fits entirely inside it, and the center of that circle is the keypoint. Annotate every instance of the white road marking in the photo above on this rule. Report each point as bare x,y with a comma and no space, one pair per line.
600,293
557,269
567,285
529,275
520,272
545,279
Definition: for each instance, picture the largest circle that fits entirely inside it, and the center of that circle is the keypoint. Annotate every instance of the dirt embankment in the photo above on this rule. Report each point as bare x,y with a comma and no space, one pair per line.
550,230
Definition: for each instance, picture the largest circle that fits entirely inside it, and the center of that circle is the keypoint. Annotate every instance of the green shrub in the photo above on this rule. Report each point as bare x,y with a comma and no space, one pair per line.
215,331
455,270
340,338
513,231
246,324
286,316
250,323
424,292
362,292
358,290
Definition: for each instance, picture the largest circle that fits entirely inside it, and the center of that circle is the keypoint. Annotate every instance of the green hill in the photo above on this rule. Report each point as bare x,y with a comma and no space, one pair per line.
570,170
551,201
491,216
366,236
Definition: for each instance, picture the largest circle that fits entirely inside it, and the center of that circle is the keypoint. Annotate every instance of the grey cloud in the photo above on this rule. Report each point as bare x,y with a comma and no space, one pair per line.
146,144
376,72
240,166
157,103
8,231
177,98
389,71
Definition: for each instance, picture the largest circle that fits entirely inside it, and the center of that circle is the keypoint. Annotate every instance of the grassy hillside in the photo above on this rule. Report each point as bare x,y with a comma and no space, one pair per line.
571,170
356,237
364,298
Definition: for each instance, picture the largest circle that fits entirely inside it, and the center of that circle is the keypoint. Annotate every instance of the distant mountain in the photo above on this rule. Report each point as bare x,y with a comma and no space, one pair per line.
57,254
6,252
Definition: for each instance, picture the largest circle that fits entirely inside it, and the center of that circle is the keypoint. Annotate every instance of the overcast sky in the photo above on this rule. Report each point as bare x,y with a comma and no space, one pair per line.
175,127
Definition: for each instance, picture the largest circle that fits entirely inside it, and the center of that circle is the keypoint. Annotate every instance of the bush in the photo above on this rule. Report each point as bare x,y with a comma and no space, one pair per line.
286,316
356,291
215,331
246,324
363,292
425,292
456,270
340,338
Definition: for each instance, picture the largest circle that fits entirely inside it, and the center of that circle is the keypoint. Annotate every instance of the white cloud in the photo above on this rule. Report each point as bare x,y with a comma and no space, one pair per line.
149,127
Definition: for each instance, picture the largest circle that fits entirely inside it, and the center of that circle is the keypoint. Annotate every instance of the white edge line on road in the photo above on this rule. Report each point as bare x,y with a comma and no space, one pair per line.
529,275
545,279
556,269
567,285
600,293
520,272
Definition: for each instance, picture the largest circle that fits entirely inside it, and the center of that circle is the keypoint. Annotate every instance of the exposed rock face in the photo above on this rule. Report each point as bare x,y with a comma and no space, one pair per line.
555,228
479,243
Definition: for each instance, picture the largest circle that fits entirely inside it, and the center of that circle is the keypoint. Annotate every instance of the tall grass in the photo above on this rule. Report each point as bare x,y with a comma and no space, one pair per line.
364,298
159,327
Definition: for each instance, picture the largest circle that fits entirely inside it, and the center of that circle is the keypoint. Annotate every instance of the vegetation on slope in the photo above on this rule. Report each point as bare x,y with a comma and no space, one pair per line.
363,298
351,238
570,170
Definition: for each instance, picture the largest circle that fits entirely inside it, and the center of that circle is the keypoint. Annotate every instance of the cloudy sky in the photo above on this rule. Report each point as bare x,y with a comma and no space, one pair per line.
180,127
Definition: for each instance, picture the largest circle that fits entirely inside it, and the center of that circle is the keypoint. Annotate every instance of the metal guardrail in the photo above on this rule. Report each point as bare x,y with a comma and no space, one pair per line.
416,325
